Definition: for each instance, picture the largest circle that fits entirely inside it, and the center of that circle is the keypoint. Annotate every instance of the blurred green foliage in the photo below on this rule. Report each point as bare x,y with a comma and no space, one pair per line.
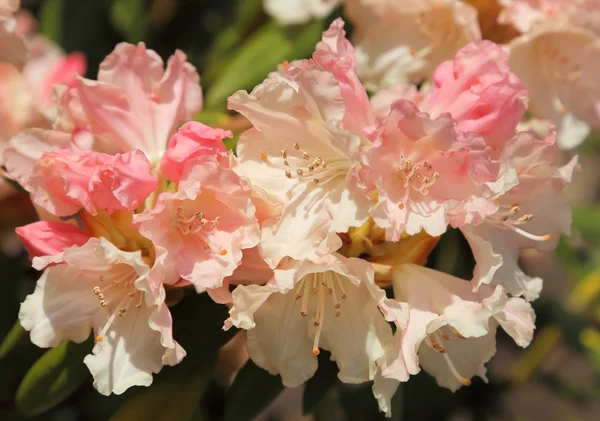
235,45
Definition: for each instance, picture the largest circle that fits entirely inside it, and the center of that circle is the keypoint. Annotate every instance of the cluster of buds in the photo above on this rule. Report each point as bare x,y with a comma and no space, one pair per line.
131,204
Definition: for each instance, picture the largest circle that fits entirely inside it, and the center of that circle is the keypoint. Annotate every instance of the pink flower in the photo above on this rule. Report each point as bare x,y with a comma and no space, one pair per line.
480,92
64,181
101,287
47,238
202,228
555,58
423,169
533,214
12,45
451,329
336,55
301,153
192,140
135,103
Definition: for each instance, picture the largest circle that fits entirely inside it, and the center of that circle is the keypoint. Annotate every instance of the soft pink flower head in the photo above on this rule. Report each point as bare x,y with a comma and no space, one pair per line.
525,15
64,71
47,238
422,168
480,92
12,45
405,40
203,227
135,103
192,140
65,181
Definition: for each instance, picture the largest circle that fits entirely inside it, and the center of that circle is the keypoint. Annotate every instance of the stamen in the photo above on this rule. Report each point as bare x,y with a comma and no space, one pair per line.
455,373
526,234
319,322
304,308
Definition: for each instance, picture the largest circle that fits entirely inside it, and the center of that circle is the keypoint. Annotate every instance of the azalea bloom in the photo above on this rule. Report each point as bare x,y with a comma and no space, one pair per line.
26,89
299,11
202,228
63,182
451,329
12,45
404,41
134,104
422,169
532,214
556,59
30,65
331,304
97,286
301,153
480,92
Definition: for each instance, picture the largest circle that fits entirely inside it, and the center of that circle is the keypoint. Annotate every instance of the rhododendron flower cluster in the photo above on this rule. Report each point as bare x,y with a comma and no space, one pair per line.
135,200
553,48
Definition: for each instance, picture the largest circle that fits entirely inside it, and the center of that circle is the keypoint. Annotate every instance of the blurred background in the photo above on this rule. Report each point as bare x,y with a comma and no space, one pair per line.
234,45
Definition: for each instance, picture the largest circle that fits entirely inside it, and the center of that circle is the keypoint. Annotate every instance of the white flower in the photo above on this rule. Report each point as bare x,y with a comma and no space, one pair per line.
101,287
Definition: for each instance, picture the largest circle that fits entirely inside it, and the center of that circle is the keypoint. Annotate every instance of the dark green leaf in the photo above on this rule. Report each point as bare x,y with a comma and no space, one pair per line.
53,378
129,19
197,326
247,14
319,385
173,396
251,392
259,55
11,339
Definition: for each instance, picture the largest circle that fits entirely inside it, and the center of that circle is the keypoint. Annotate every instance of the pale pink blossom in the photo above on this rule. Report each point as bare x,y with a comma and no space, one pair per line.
299,11
331,304
202,228
135,103
556,58
524,15
404,41
65,181
48,66
26,92
533,214
480,92
422,169
301,153
12,45
47,238
99,287
193,139
451,329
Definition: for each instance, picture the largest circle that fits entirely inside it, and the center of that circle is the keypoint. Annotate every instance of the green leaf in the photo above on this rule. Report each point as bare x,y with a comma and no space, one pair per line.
198,326
251,392
11,339
173,396
53,378
319,385
247,13
129,19
259,55
80,26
